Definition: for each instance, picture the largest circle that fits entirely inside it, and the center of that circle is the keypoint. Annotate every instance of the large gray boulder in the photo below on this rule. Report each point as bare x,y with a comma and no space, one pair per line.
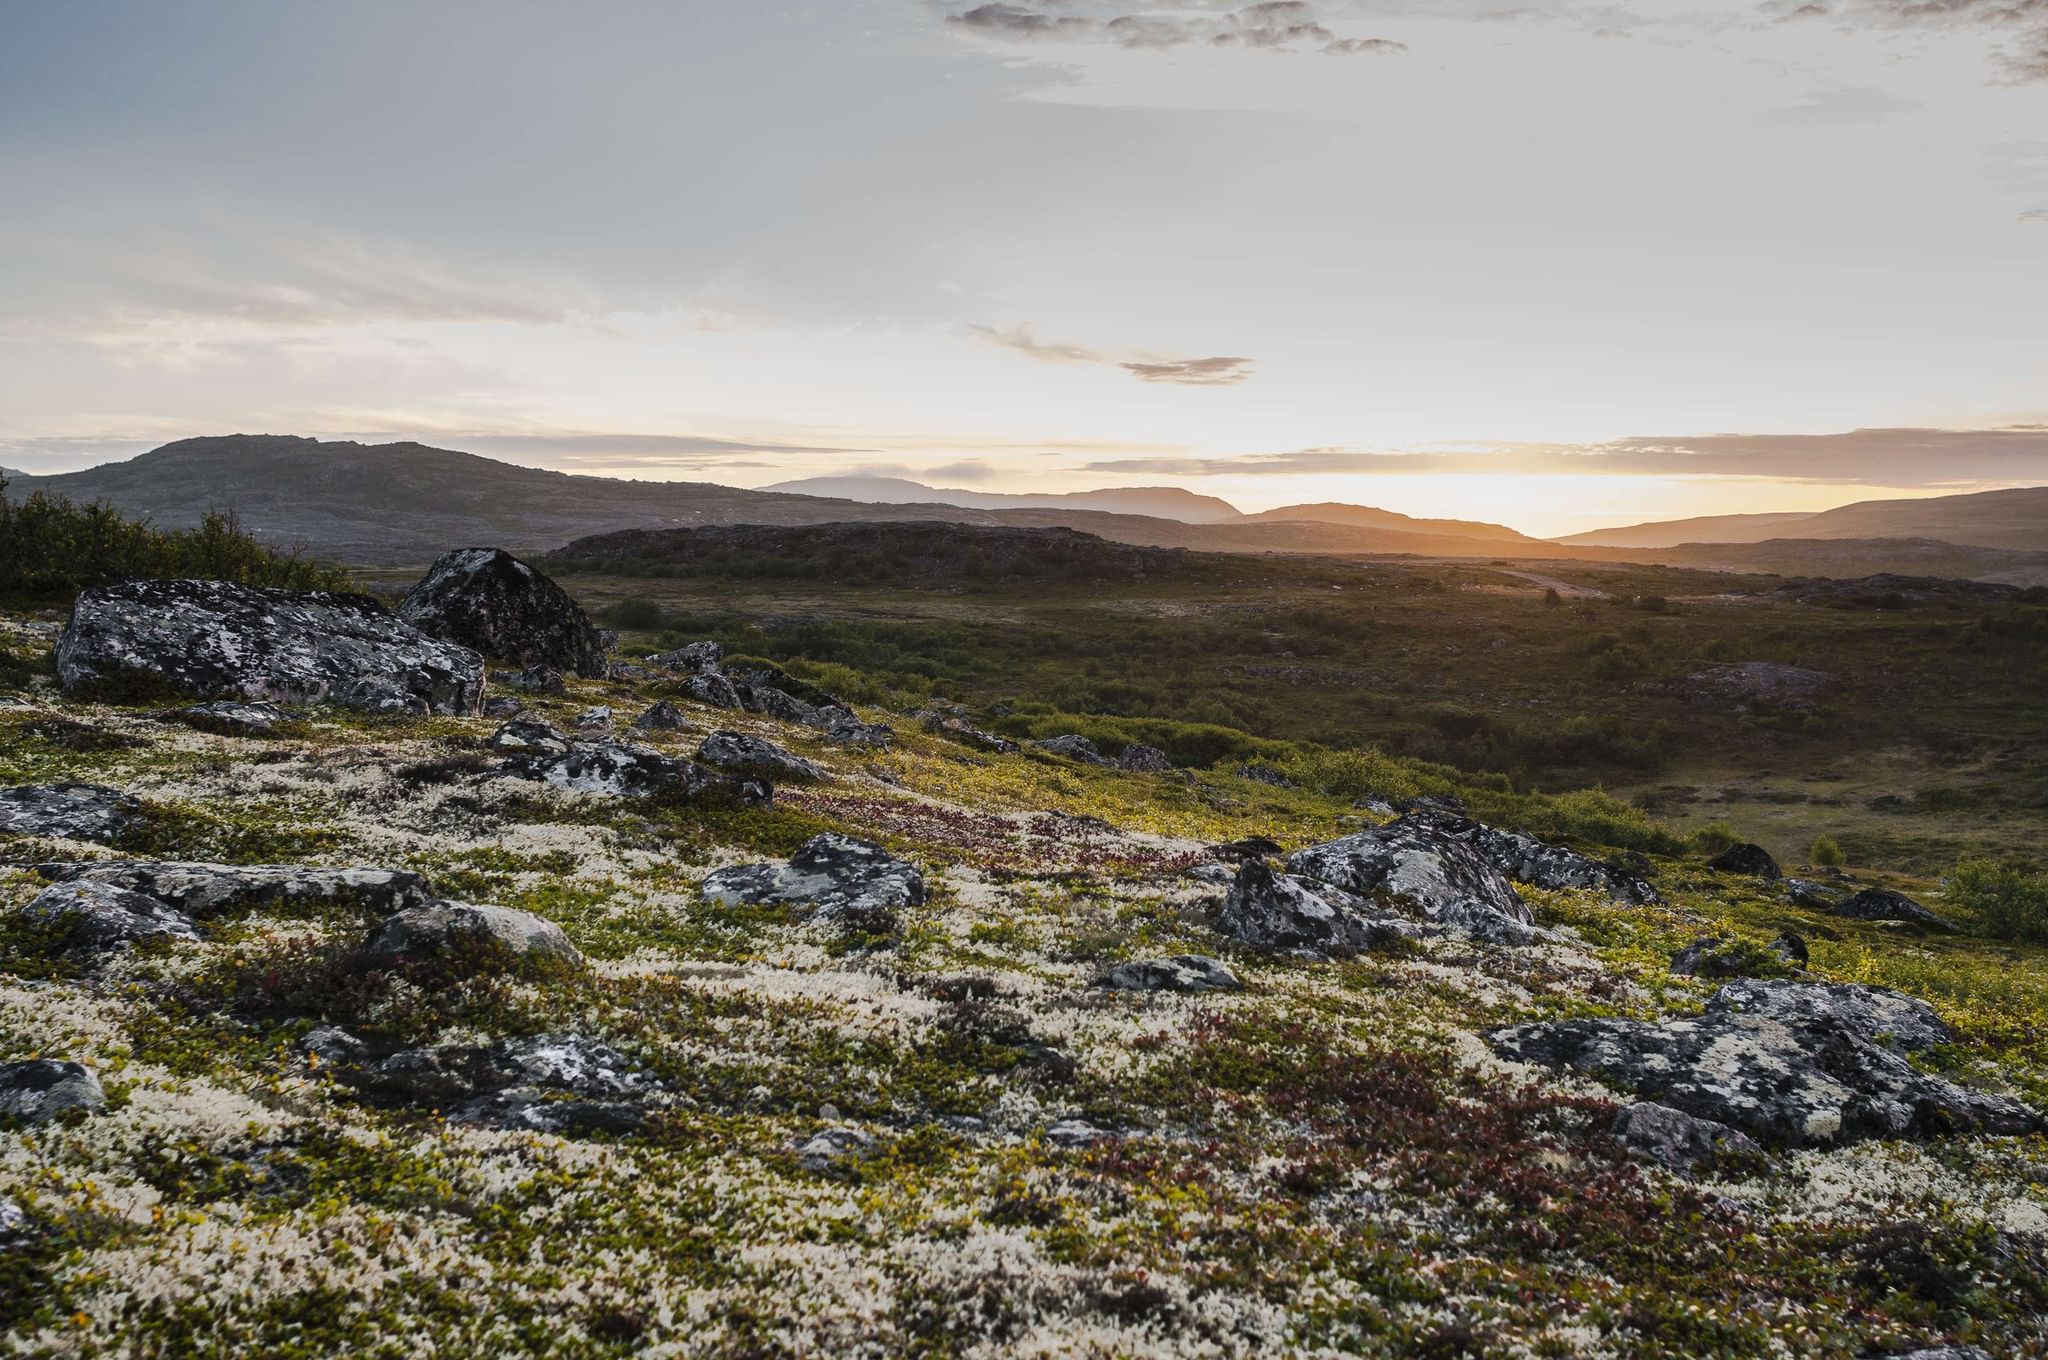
833,877
1882,904
38,1091
72,812
447,930
1785,1062
742,753
489,600
1451,883
214,639
1540,864
1269,910
204,890
100,918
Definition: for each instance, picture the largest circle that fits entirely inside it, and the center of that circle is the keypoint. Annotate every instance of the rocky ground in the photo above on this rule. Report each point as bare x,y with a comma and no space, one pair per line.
684,1011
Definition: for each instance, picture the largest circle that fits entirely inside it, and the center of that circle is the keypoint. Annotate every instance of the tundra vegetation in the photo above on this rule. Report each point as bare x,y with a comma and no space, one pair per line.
968,1046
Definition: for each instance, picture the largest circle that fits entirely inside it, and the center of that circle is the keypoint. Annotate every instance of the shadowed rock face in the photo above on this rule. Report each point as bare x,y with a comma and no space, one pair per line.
489,600
99,918
213,639
831,877
73,812
1753,860
44,1088
1787,1062
1282,911
203,890
1537,863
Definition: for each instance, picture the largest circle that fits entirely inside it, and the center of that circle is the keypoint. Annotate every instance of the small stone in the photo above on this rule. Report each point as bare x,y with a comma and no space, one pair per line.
596,719
1075,1133
542,680
828,1112
662,716
332,1044
835,1149
1790,948
504,706
1073,747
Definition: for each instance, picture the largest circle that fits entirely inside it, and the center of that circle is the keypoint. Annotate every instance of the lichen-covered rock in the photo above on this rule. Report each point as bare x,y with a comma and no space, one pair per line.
831,1150
16,1231
1719,956
1271,910
1073,747
1528,860
214,639
502,706
489,600
662,716
1141,759
1264,774
1181,973
845,729
546,681
1806,892
709,687
694,658
232,718
72,812
98,918
37,1091
1676,1140
958,729
1077,1133
1882,904
833,877
551,1083
741,753
597,718
451,929
535,750
1448,880
1790,948
1786,1062
1753,860
204,890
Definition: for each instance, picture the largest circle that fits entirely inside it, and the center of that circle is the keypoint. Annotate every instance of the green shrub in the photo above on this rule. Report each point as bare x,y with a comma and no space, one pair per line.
2009,897
633,612
1715,837
1826,853
50,546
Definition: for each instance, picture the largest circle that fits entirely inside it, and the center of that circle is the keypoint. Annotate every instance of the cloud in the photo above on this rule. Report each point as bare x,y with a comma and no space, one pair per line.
1271,26
1841,107
1222,371
1883,457
2023,59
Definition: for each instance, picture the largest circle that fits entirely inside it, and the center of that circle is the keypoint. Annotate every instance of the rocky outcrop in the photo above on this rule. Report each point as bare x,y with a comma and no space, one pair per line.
1141,759
1753,860
72,812
40,1090
1882,904
551,1083
232,718
1181,973
832,878
207,890
662,716
1676,1140
1537,863
955,728
1785,1062
693,659
1073,747
468,931
490,601
100,918
213,639
1445,878
535,750
1270,910
741,753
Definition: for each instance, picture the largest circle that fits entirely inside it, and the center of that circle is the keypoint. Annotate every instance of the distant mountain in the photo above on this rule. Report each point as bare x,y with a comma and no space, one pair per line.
1165,502
1366,517
2015,519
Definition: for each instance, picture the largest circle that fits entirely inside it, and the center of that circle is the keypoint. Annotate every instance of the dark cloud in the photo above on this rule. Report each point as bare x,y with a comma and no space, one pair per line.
1271,26
1890,457
1222,371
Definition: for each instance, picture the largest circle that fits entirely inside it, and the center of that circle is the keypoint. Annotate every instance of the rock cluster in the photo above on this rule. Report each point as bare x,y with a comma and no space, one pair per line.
534,749
551,1083
740,753
1537,863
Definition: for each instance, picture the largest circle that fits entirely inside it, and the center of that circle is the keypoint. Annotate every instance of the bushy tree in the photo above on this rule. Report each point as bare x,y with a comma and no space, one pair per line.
2008,897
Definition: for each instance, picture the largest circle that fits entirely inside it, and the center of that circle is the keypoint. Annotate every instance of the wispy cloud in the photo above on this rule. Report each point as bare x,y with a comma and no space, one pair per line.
1841,107
1215,371
1883,457
2023,58
1272,26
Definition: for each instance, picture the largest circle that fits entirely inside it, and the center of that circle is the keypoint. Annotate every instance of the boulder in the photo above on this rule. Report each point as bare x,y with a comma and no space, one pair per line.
38,1091
551,1083
489,600
1537,863
545,681
1882,904
1785,1062
1077,1133
72,812
1264,774
1753,860
594,719
1789,947
662,716
535,750
1181,973
334,1046
743,754
1271,910
100,918
214,639
967,734
1805,892
846,729
232,718
711,688
694,658
16,1229
503,706
1447,879
446,929
1073,747
205,890
832,878
1676,1140
1141,759
839,1149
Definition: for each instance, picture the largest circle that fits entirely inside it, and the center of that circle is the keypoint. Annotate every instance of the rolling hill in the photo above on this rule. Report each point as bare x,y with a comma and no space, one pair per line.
1164,502
2014,519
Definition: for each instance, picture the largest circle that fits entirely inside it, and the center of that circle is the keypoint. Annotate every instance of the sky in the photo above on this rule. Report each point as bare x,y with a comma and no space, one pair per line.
1558,266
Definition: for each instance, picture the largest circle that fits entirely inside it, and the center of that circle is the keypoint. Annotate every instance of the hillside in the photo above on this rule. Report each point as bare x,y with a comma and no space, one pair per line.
2014,519
1367,517
1164,502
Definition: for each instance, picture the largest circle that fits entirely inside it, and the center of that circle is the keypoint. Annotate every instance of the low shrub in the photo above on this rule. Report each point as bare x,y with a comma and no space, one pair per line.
2009,898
